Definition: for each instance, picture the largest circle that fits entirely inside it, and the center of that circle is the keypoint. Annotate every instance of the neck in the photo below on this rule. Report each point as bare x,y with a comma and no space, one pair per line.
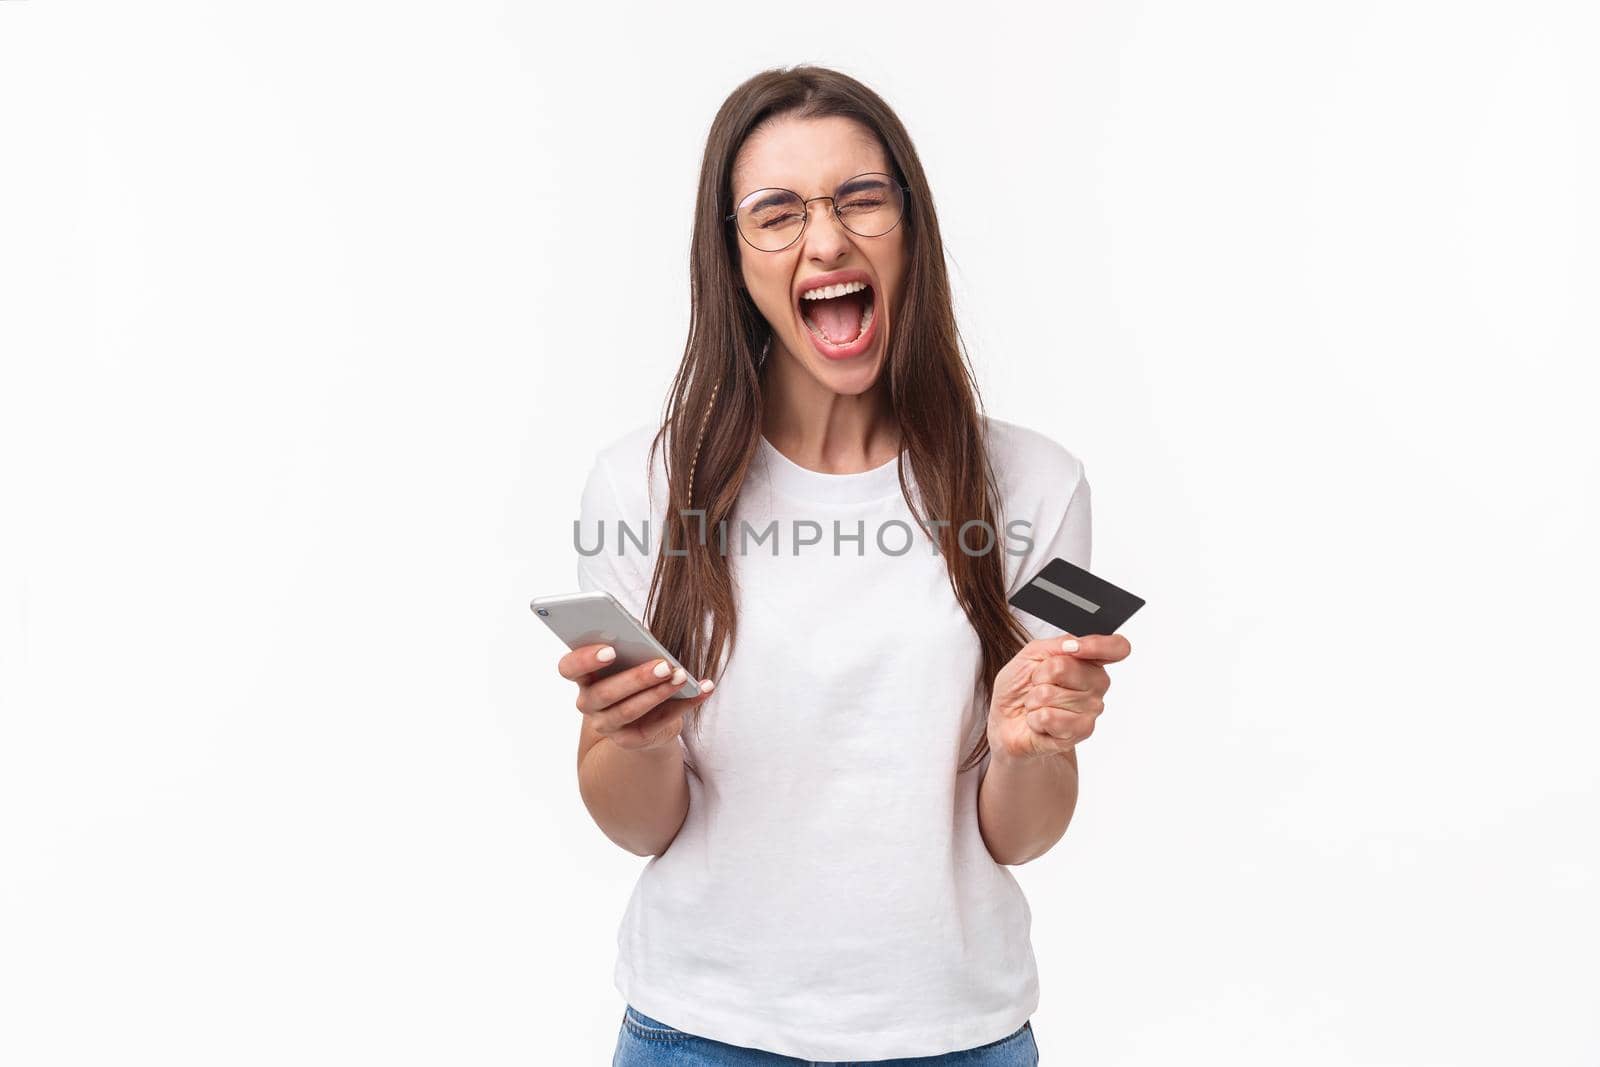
823,430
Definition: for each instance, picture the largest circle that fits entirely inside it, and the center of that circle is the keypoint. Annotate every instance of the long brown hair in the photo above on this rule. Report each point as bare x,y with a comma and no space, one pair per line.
716,396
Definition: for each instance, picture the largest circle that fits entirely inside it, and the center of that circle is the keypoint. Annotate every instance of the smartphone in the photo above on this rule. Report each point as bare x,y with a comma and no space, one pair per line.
598,619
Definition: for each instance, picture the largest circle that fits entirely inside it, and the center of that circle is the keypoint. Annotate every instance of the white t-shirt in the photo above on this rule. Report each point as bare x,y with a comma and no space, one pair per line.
829,895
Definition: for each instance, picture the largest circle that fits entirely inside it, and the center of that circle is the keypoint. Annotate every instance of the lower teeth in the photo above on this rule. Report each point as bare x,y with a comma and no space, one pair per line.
866,320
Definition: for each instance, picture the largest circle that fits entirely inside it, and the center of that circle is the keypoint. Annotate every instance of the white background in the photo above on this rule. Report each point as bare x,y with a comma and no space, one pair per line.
311,319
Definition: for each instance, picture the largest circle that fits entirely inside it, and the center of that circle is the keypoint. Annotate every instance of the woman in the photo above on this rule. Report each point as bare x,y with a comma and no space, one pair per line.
841,529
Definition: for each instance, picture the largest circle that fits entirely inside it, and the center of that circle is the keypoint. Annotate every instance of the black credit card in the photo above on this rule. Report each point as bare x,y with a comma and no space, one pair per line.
1071,599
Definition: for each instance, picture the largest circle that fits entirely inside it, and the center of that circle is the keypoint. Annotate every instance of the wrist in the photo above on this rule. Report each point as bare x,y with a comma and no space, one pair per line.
1055,761
644,758
670,752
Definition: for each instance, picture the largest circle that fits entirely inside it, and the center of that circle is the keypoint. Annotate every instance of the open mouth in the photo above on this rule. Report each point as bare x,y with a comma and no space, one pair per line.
838,316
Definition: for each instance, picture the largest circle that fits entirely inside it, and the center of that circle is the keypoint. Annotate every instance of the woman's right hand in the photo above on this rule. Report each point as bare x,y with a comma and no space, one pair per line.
633,707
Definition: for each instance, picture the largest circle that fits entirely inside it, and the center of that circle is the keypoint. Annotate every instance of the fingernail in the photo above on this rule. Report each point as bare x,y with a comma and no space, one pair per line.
606,655
1070,645
679,675
662,670
708,685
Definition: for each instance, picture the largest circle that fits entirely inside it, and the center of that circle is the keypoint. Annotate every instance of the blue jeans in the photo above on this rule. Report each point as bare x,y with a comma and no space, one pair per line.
645,1042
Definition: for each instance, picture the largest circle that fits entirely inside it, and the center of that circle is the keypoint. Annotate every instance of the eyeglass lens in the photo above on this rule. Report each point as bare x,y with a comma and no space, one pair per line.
868,205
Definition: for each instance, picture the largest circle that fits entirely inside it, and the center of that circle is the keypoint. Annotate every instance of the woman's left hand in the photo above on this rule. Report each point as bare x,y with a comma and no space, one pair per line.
1047,699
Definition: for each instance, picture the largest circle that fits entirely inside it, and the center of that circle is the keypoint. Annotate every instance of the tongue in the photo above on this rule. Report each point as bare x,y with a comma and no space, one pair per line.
839,318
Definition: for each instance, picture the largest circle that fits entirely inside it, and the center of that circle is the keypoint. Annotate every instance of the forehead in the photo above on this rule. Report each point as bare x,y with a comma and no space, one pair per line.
811,156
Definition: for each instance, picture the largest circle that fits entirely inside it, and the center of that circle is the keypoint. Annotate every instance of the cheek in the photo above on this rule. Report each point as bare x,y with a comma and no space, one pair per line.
770,290
894,272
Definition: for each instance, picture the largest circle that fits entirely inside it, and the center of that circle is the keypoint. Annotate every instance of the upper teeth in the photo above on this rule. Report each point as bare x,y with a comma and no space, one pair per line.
828,292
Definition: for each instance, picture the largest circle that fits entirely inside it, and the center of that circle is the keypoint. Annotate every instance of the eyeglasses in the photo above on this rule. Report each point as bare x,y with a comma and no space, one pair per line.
868,205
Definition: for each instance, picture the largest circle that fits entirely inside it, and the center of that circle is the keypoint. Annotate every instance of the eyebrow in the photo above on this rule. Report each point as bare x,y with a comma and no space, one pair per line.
849,185
770,199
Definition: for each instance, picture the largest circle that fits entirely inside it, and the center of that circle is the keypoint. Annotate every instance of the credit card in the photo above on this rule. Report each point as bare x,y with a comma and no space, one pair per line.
1070,598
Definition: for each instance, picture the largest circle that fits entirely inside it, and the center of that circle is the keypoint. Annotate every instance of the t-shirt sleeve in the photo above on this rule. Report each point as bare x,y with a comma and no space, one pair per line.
1066,533
618,567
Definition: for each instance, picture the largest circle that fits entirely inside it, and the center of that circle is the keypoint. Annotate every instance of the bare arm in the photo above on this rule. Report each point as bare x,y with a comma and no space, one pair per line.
631,773
639,799
1046,702
1024,805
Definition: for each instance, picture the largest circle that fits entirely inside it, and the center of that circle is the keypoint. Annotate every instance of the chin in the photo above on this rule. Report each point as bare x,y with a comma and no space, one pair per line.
848,382
829,367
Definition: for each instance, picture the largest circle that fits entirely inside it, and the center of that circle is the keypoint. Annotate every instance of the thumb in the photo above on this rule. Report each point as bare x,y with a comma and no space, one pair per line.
1045,647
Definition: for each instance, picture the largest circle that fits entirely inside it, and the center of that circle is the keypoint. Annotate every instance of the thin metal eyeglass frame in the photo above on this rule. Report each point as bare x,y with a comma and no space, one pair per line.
905,191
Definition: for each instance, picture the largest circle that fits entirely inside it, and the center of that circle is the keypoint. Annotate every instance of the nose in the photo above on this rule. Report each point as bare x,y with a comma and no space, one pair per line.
825,236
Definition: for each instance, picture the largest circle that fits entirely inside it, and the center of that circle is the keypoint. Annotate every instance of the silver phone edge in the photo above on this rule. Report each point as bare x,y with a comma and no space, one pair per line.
557,599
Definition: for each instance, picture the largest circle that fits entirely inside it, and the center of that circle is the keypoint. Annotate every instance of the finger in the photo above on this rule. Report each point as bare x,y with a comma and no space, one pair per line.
1061,724
614,717
1069,672
654,726
657,726
601,693
1043,647
1083,701
586,659
1101,648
